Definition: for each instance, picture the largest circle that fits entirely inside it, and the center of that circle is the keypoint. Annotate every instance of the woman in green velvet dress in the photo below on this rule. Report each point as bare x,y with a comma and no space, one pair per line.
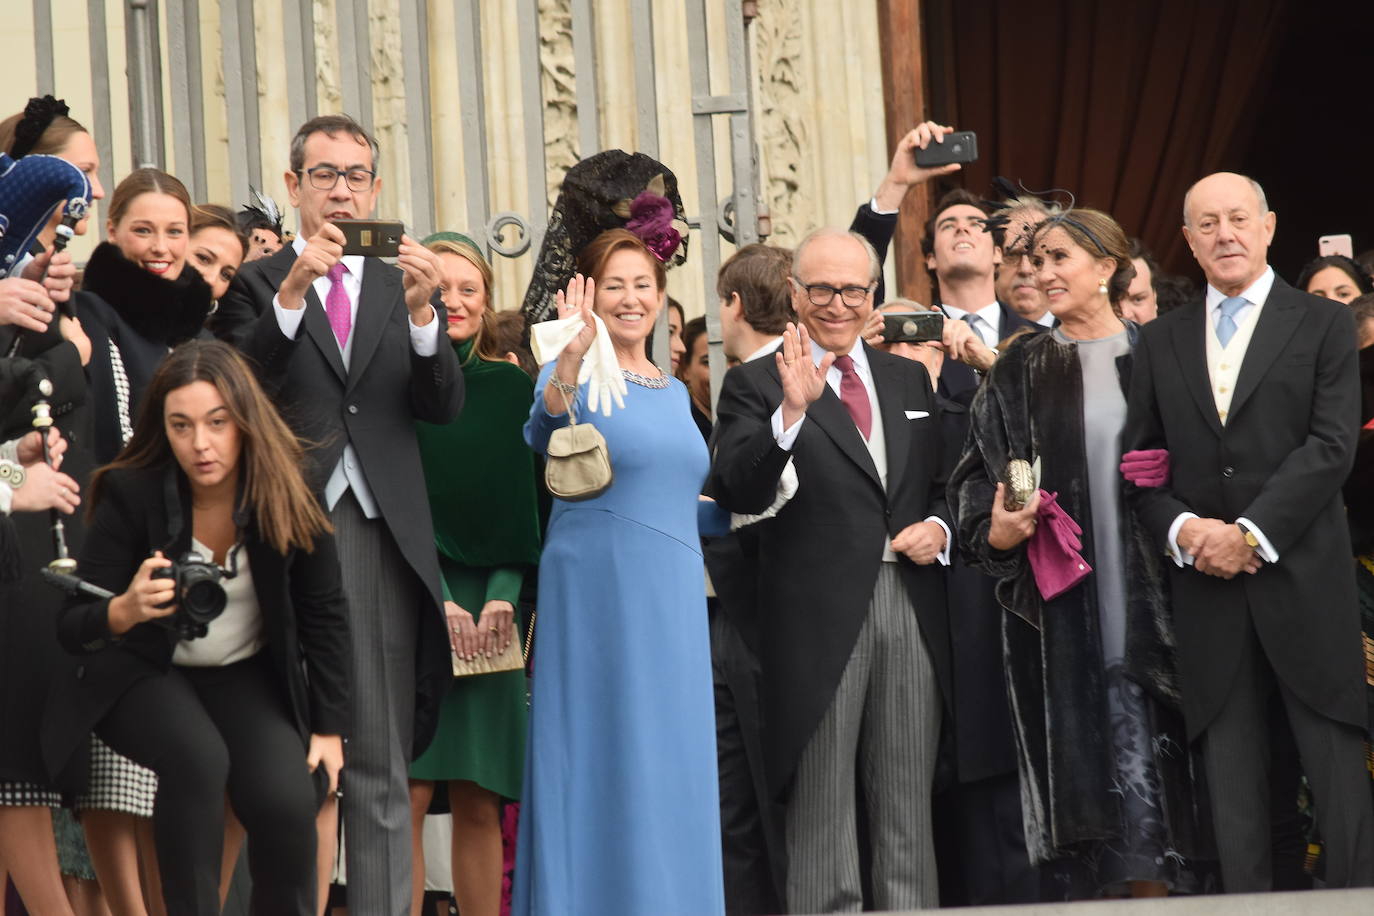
480,475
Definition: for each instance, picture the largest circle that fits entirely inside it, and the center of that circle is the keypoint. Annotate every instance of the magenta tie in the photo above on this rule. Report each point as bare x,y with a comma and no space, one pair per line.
854,396
336,305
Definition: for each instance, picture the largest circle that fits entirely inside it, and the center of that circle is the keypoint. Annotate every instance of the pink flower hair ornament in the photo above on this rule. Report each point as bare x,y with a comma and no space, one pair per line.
650,217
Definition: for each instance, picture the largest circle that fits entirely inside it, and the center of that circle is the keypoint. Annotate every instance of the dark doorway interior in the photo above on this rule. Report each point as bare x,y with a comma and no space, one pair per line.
1125,104
1313,144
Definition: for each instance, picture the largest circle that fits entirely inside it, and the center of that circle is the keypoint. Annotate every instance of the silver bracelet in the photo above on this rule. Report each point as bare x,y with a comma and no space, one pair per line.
564,387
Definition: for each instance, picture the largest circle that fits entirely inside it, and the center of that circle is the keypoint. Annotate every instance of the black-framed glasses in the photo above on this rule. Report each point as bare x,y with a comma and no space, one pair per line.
822,293
326,177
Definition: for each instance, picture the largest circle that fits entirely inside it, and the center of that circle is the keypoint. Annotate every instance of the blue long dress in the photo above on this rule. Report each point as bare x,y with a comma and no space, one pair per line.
620,810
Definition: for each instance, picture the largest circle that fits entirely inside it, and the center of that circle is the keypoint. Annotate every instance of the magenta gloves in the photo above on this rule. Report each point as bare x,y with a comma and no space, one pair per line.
1146,467
1053,550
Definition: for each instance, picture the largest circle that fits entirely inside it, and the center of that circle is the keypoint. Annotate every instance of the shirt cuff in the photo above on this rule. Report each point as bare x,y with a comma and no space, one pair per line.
424,340
6,498
1265,549
943,556
785,438
873,205
1175,552
288,320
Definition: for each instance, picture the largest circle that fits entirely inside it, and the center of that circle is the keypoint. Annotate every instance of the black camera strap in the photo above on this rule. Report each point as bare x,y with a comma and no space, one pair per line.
171,494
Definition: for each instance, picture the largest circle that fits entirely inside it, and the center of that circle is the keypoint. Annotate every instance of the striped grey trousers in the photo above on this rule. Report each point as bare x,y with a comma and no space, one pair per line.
882,730
383,617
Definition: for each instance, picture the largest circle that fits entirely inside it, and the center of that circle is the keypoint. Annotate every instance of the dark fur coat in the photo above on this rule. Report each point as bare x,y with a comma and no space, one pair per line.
1032,405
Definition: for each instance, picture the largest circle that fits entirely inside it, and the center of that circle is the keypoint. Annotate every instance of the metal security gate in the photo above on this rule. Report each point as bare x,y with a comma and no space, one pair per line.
166,88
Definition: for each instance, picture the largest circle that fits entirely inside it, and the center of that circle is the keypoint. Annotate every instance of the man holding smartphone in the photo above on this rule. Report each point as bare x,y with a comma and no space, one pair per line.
340,341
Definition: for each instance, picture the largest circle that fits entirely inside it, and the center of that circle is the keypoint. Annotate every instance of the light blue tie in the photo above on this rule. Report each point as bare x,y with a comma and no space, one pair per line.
1226,321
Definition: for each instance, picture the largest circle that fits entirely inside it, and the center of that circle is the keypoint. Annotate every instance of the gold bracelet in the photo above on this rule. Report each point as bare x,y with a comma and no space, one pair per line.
564,387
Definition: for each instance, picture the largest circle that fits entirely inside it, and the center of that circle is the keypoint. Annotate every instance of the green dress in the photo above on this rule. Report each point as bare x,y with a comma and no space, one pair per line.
480,476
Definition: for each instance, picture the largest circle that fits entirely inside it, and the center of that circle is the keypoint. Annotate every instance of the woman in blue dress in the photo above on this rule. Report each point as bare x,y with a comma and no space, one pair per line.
620,805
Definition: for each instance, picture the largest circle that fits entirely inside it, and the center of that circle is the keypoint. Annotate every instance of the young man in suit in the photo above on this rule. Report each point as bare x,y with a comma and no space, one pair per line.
1255,395
354,353
963,256
855,665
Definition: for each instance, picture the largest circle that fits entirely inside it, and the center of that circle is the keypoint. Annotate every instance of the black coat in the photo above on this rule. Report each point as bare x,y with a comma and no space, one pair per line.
981,727
1032,406
818,559
30,657
373,405
133,319
1287,446
299,593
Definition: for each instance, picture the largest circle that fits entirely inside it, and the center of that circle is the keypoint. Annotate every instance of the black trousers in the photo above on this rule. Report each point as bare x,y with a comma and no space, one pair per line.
986,840
205,730
750,824
1236,747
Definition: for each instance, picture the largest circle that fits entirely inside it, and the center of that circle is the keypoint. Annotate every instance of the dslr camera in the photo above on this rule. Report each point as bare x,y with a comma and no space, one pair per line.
200,597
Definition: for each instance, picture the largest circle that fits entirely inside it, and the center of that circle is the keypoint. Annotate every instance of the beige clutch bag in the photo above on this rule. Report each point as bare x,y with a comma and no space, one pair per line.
1023,479
510,660
579,463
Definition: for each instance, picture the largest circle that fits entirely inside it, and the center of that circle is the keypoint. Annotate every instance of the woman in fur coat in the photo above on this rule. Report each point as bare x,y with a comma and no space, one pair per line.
1106,790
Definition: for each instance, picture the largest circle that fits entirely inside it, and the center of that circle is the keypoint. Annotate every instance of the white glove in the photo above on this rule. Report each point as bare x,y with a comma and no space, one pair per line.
600,371
787,488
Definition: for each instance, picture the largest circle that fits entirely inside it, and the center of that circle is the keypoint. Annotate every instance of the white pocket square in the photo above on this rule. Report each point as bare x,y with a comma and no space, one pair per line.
917,414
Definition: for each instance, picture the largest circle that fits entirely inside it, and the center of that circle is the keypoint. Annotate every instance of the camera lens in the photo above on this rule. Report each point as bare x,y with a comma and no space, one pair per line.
202,598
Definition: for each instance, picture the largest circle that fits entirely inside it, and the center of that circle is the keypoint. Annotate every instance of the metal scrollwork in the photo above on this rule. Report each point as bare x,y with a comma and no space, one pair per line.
496,238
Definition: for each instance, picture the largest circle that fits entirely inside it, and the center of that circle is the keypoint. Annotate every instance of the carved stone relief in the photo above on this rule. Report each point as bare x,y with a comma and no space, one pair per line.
558,80
780,118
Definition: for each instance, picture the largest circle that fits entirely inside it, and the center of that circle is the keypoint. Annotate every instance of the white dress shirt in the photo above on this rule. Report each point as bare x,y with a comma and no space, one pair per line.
1223,368
348,473
987,321
877,439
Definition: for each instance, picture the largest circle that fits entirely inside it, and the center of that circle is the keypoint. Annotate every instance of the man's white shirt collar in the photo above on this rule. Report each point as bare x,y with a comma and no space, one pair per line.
1256,293
764,350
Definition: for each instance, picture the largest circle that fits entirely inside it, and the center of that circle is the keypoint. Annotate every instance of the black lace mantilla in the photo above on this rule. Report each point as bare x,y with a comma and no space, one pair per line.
586,208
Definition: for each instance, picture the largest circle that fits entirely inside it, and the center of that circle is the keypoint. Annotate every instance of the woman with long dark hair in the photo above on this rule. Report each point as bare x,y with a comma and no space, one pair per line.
251,699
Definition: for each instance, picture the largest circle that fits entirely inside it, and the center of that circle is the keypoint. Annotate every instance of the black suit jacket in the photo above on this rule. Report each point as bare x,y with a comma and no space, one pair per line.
373,404
818,559
299,593
1280,460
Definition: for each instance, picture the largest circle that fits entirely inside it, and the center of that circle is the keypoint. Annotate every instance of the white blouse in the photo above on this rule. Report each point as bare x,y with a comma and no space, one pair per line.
235,634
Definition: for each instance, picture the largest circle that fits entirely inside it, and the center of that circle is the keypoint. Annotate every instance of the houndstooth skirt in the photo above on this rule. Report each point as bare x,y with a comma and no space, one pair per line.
26,795
117,783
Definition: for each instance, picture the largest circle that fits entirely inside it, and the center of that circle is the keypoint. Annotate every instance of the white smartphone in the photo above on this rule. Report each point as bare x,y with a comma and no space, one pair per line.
1335,244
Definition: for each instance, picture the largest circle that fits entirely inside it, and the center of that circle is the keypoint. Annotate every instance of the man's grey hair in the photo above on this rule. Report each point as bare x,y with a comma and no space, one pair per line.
1254,186
1027,202
875,267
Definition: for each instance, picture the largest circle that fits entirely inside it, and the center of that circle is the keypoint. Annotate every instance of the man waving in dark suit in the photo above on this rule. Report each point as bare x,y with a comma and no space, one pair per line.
854,652
1255,395
353,352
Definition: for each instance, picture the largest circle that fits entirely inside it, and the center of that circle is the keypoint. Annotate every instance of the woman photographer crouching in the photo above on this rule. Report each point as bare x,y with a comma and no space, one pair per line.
258,702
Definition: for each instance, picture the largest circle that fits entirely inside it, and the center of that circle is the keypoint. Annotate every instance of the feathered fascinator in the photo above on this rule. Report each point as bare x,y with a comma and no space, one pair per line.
263,208
611,190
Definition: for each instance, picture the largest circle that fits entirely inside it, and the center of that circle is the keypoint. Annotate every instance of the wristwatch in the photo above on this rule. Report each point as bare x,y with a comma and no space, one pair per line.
1250,540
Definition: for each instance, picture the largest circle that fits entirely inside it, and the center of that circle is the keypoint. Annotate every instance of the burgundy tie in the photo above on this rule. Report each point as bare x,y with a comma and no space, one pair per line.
336,305
854,396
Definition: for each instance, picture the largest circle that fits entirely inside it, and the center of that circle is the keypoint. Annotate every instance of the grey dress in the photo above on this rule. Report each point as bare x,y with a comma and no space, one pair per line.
1141,852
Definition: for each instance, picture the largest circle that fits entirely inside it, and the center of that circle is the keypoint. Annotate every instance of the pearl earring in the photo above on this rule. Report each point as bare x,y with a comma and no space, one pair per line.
1102,286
